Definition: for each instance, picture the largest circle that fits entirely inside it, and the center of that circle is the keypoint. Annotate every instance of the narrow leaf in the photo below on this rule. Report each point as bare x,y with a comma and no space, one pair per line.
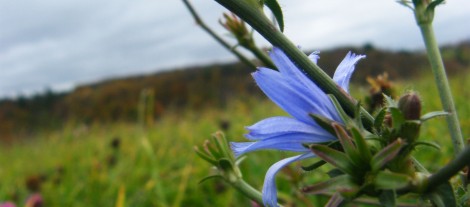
325,186
205,156
433,114
361,144
324,123
210,177
379,118
240,160
390,180
222,144
275,8
345,141
334,157
433,5
335,173
209,149
314,166
357,115
386,154
397,117
426,143
390,102
344,116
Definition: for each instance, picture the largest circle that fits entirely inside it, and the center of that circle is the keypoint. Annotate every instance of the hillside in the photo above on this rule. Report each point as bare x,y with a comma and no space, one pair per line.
190,88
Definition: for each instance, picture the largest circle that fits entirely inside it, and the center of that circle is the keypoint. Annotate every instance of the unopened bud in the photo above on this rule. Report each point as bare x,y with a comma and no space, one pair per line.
410,105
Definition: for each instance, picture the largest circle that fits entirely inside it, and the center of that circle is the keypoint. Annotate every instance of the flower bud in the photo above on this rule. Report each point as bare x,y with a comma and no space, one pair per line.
410,105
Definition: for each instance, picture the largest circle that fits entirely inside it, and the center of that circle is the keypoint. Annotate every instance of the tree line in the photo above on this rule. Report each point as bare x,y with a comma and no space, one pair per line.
192,88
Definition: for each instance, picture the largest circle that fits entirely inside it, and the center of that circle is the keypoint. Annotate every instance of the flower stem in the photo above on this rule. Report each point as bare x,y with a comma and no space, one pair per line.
248,190
440,77
258,21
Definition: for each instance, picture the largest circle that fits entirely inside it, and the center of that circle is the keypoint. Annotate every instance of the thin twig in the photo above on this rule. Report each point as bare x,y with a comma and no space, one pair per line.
217,37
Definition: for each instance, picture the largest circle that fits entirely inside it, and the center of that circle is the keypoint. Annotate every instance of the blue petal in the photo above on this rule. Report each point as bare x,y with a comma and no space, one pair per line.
299,81
314,57
293,74
269,187
279,125
295,100
345,69
287,142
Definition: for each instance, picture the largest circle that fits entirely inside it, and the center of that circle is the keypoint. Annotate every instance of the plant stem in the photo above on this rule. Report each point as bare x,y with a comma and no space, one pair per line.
248,191
440,77
445,173
258,21
216,37
262,56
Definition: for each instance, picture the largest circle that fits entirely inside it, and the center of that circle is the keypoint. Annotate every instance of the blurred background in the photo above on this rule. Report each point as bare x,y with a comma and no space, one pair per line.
102,102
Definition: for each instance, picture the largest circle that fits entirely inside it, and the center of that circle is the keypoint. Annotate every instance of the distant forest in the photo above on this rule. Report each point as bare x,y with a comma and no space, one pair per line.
191,88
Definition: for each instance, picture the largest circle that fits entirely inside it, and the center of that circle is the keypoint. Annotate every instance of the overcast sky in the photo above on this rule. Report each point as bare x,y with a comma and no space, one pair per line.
58,44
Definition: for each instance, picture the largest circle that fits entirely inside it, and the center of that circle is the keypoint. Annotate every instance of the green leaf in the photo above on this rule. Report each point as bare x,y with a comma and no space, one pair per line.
361,145
349,191
433,114
397,117
426,143
328,185
390,180
240,160
205,156
275,8
344,116
324,123
433,5
386,154
357,116
388,198
210,177
379,118
390,102
443,196
314,166
334,157
222,145
345,141
335,173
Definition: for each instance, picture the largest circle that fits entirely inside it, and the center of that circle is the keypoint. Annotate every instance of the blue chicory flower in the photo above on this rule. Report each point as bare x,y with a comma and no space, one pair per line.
296,94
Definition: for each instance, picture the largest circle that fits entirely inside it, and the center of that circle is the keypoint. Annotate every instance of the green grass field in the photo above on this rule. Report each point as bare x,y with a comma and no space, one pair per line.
156,166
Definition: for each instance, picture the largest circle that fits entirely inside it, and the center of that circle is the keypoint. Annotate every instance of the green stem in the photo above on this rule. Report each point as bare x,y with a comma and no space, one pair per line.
444,174
258,21
262,56
445,93
216,37
248,191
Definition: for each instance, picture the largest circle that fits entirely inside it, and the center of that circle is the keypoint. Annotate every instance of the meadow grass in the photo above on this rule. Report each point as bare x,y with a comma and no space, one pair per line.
156,165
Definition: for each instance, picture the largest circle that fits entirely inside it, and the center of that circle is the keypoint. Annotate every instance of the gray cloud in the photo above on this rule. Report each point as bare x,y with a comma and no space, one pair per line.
59,44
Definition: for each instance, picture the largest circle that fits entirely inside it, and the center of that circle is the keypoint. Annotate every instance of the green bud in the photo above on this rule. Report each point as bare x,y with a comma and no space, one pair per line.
410,105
